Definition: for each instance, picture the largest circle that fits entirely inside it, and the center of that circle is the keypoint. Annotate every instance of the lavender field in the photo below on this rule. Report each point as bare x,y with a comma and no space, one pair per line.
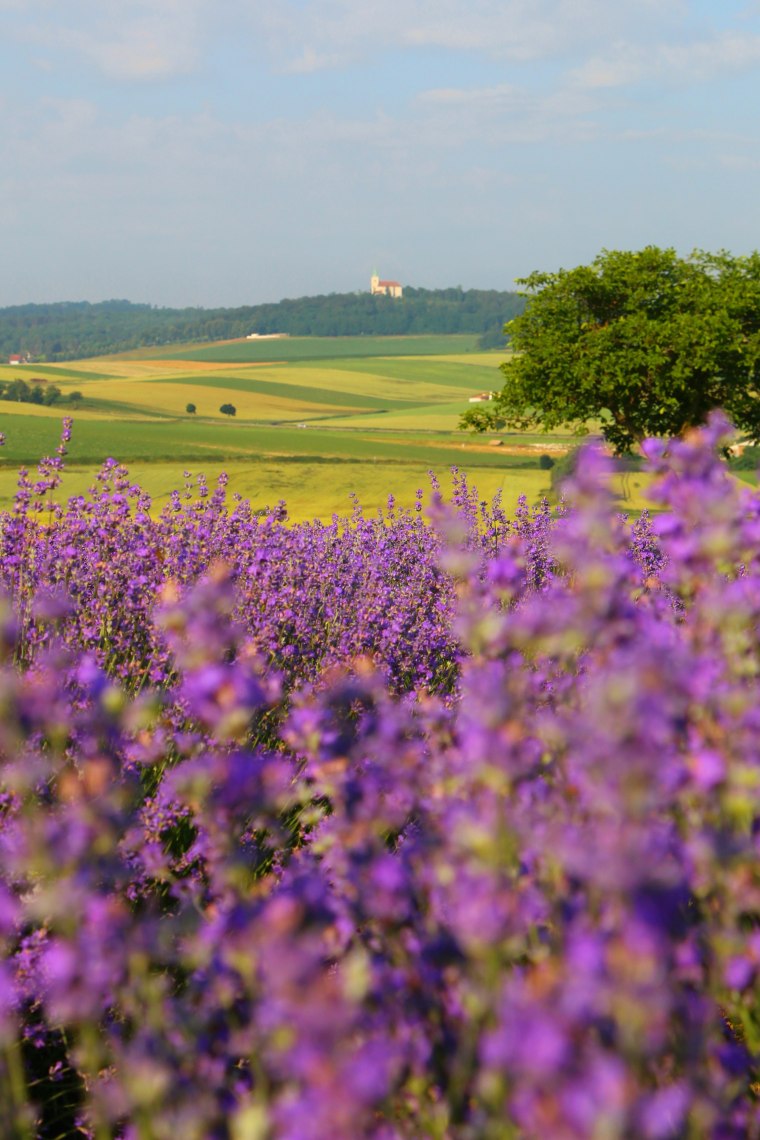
431,824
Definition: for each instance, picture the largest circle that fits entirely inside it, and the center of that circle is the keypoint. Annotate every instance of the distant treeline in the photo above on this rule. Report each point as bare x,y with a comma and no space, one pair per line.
71,330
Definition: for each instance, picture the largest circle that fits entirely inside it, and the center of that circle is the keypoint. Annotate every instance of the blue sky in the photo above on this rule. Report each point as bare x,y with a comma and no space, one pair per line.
225,152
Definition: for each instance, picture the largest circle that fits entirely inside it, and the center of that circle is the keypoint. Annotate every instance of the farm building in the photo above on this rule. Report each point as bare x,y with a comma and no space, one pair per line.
16,359
389,288
481,398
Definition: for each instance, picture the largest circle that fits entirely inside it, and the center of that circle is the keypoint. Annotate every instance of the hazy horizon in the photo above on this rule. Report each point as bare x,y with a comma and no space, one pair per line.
242,305
189,153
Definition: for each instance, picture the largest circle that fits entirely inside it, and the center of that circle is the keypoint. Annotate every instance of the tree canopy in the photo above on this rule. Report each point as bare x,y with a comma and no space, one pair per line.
38,392
647,342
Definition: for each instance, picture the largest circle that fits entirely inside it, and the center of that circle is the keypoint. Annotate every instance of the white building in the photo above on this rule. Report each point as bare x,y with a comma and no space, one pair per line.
389,288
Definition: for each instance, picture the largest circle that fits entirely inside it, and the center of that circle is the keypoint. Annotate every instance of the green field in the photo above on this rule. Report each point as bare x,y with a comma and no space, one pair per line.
369,416
191,440
323,348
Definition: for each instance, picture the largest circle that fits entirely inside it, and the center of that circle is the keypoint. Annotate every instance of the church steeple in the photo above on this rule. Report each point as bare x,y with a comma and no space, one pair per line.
387,288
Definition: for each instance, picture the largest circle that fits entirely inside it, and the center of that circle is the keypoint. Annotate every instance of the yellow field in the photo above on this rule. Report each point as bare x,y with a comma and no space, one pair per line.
310,490
131,367
134,375
57,412
341,380
436,418
484,359
173,398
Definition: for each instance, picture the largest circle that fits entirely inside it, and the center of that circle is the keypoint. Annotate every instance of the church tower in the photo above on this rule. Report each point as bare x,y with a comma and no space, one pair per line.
385,288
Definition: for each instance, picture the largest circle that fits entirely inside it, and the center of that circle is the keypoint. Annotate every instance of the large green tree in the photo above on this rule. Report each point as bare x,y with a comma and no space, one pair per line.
647,342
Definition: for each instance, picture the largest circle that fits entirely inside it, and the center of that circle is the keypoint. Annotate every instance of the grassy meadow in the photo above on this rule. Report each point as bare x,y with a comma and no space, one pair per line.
317,421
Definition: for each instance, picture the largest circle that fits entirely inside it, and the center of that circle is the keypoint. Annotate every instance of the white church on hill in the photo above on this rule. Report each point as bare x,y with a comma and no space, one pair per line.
390,288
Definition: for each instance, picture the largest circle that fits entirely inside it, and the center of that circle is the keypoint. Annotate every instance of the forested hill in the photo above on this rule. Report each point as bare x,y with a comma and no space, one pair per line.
72,330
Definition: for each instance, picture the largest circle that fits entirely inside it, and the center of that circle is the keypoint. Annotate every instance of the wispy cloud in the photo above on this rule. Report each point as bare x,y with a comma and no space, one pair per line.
696,61
310,61
739,163
518,30
138,40
501,96
506,114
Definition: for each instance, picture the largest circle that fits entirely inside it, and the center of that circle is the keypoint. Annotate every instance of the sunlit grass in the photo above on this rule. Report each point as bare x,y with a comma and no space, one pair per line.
311,490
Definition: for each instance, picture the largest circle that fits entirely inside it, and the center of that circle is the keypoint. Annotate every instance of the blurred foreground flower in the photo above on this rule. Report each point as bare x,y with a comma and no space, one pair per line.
381,829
